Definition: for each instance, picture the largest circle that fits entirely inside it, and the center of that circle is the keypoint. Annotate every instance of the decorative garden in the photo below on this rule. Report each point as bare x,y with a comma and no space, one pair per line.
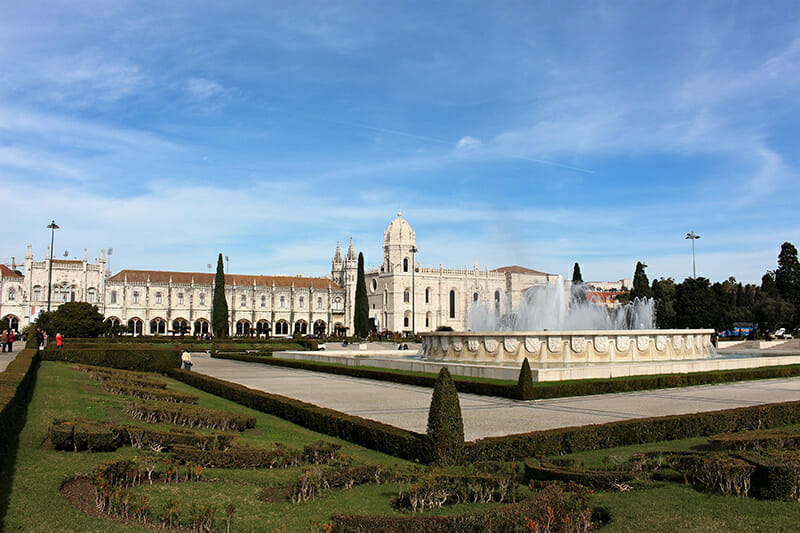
112,436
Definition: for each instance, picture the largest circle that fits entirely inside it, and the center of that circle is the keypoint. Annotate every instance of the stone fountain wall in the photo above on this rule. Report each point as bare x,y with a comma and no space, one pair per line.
567,347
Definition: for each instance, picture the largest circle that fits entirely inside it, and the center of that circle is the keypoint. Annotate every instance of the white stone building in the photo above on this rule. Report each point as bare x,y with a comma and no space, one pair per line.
403,295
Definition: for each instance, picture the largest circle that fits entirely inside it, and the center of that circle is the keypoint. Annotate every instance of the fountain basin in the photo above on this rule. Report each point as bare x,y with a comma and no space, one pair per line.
568,346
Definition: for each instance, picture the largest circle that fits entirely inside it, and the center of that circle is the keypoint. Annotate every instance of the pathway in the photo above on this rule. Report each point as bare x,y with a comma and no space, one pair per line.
407,406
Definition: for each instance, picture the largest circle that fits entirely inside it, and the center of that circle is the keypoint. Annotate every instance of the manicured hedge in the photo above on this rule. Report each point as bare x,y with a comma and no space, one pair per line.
595,479
146,360
188,415
374,435
16,384
246,457
757,440
147,393
534,391
776,476
627,432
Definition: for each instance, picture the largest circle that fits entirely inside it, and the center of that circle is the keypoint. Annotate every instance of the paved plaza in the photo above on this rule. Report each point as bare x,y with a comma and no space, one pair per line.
406,406
7,357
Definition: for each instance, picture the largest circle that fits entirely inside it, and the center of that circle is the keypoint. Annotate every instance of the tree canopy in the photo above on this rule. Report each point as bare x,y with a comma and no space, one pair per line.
73,320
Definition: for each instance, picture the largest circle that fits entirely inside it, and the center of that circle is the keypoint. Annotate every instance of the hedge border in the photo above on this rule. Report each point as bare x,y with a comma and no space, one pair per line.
16,385
541,390
368,433
152,360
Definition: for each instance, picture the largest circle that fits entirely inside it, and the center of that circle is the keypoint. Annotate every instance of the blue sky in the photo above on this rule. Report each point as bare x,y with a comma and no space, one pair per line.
536,133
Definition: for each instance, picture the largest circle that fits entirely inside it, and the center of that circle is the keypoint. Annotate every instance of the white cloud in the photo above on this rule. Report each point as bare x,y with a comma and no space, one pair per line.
201,89
465,143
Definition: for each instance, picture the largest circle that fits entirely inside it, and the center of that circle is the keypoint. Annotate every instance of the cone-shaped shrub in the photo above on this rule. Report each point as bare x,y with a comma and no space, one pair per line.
445,425
219,305
525,382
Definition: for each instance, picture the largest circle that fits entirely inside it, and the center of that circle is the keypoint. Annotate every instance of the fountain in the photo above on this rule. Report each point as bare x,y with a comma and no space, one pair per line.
555,325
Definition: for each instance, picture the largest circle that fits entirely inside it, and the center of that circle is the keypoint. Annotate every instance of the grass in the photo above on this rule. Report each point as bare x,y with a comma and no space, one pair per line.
35,504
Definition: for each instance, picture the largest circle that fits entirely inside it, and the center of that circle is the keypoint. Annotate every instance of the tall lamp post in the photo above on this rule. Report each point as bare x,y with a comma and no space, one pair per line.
413,251
693,237
52,227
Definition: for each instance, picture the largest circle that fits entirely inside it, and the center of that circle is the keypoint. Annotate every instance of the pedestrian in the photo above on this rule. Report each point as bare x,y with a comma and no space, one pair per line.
11,339
59,341
39,340
4,339
186,360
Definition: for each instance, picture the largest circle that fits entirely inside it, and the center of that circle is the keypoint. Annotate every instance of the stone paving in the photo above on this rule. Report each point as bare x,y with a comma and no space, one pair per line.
7,357
406,406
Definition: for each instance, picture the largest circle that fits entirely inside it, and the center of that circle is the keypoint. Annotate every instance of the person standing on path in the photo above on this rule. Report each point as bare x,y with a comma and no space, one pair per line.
4,339
11,339
186,360
59,341
39,340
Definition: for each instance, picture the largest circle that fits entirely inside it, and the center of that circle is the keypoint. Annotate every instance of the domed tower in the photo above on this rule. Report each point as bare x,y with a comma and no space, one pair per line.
398,240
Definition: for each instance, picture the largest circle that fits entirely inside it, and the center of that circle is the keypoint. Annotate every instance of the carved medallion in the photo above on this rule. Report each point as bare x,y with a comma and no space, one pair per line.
642,342
511,344
623,343
473,344
601,343
689,342
532,344
458,344
578,344
490,344
661,342
554,344
676,342
445,343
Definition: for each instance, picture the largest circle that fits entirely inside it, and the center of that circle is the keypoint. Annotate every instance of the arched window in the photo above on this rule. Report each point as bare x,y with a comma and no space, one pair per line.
302,302
158,298
428,295
497,302
319,302
405,265
244,300
474,296
180,298
37,294
283,302
91,295
405,321
113,297
12,294
406,296
263,300
203,299
337,304
135,297
452,304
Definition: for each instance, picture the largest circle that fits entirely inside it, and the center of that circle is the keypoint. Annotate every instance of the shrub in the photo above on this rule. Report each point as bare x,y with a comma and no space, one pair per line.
595,479
191,416
525,382
147,393
445,425
716,472
122,358
16,385
776,475
435,490
757,440
315,481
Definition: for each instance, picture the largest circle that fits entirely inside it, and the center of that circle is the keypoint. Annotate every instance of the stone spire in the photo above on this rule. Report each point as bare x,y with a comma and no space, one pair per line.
337,258
351,253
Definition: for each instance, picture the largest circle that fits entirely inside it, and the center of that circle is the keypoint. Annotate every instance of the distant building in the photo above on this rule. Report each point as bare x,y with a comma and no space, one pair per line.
402,294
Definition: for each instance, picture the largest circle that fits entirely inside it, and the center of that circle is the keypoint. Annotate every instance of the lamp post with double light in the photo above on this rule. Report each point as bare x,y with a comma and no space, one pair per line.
693,237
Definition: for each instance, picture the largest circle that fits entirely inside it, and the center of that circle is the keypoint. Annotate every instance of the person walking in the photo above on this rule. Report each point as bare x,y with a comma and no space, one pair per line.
59,341
186,360
4,339
11,339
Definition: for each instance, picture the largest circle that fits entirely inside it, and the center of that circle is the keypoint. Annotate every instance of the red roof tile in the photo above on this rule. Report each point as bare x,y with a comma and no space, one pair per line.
203,278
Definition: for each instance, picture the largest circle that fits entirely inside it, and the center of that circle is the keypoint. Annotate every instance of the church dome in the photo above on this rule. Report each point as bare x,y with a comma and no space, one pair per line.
398,232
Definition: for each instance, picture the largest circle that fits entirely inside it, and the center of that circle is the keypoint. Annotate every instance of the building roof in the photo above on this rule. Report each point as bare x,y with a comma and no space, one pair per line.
67,262
202,278
515,269
6,272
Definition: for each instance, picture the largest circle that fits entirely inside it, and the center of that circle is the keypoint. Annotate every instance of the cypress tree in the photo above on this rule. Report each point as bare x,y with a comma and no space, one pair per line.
525,381
576,274
445,425
361,308
641,285
219,306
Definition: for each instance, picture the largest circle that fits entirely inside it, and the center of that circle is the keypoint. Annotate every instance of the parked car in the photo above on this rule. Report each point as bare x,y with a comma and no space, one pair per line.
783,333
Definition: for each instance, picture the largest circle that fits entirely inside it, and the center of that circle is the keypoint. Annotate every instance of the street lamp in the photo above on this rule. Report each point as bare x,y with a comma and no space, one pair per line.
413,251
52,227
693,237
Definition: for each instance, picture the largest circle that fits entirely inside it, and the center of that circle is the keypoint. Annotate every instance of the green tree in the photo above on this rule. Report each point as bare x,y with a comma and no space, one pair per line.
772,312
576,274
219,306
641,285
664,294
361,307
787,278
73,320
695,305
445,425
